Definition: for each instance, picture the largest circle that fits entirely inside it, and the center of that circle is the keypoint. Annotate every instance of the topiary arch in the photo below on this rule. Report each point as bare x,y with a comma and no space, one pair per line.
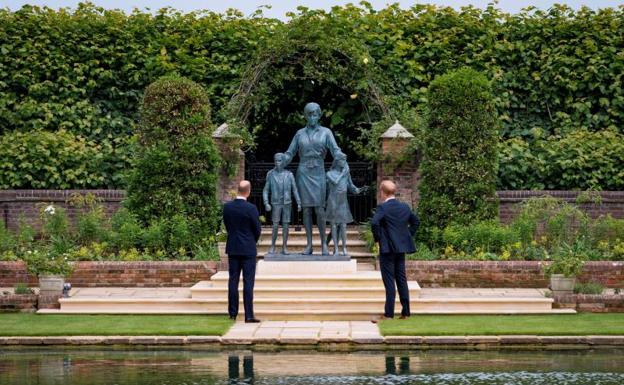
311,58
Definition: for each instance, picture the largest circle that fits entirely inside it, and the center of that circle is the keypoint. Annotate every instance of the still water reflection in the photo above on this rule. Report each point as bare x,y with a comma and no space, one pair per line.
168,367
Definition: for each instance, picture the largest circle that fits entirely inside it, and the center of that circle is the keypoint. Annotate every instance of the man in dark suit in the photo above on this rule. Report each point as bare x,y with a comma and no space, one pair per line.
242,223
394,225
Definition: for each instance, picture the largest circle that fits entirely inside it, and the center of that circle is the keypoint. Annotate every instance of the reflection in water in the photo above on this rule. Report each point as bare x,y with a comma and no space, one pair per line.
190,367
234,366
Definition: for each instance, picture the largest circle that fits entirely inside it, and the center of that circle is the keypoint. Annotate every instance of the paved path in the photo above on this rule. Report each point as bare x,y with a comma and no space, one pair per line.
303,332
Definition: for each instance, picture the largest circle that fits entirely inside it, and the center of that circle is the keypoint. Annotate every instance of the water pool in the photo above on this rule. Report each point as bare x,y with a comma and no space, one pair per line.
196,367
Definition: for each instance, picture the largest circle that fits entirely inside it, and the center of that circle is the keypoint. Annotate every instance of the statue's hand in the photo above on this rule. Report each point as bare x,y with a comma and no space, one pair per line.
267,207
299,208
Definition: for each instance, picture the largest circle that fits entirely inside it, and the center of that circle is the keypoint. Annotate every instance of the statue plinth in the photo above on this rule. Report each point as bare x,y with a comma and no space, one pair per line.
305,257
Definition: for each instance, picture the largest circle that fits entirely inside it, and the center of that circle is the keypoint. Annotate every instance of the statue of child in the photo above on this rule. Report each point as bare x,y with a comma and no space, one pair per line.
337,210
279,184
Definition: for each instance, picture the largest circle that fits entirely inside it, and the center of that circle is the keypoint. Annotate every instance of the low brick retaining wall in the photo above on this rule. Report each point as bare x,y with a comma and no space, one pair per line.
18,303
526,274
591,303
12,273
522,274
112,273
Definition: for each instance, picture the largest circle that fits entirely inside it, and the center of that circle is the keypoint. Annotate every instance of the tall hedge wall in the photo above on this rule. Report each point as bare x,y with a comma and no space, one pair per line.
459,161
84,71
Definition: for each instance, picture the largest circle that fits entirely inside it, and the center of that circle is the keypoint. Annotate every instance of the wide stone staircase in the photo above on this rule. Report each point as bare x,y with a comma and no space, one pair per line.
356,245
308,290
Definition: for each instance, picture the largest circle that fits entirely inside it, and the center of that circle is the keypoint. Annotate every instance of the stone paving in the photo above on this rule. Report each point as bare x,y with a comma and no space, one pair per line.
303,332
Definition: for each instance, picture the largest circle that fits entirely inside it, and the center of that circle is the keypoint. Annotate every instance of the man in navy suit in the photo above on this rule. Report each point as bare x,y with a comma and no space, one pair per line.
394,225
242,223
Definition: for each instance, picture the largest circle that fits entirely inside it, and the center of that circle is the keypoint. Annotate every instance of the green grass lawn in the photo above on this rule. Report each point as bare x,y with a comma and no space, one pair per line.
556,324
25,324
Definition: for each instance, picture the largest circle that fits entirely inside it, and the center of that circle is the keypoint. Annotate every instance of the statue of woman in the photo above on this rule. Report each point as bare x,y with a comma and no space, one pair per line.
312,143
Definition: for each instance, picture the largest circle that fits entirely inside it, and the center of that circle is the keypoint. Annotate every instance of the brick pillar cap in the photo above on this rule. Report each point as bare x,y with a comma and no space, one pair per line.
221,131
397,131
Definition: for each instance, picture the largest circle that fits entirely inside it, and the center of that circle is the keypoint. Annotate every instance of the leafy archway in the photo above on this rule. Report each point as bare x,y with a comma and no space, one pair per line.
314,57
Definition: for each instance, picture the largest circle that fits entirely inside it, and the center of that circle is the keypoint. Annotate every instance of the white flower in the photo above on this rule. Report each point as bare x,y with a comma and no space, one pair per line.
49,210
365,60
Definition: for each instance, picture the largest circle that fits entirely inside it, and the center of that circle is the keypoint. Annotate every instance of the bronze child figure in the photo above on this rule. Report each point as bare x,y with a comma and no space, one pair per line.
337,211
279,185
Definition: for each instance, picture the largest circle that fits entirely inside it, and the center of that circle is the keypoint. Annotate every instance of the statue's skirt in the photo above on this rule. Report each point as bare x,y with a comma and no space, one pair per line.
311,182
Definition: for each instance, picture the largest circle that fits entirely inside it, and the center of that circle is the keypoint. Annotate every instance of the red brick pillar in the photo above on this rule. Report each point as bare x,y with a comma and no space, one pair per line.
394,143
227,184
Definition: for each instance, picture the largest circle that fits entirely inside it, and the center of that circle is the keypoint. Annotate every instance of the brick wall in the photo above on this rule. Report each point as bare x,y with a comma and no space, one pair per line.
524,274
130,274
590,303
12,273
27,204
610,202
18,302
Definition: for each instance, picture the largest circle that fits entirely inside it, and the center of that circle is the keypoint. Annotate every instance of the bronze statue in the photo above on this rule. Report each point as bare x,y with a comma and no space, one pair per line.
312,143
279,185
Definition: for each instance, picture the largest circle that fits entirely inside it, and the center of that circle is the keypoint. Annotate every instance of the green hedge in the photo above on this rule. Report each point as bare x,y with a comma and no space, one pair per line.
176,165
581,159
85,70
459,161
41,159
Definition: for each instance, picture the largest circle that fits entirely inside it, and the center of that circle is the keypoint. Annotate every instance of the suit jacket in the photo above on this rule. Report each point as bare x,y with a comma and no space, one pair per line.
394,225
242,222
280,190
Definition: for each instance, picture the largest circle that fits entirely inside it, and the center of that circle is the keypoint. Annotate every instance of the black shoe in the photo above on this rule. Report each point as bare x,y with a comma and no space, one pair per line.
232,317
252,321
382,318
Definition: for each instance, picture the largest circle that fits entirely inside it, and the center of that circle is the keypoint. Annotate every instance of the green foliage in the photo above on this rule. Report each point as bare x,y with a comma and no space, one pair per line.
579,160
568,260
22,288
487,235
85,70
174,182
40,159
588,288
459,159
551,221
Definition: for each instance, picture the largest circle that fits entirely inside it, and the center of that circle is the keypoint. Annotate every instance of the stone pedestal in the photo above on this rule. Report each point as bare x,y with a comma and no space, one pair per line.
305,257
306,267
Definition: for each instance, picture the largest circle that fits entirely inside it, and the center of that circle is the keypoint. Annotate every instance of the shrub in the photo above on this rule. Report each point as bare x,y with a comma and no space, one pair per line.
42,159
127,230
488,235
22,288
176,164
550,221
588,288
92,224
459,151
568,260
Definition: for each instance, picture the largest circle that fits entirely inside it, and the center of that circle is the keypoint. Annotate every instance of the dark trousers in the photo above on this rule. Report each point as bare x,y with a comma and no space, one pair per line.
247,265
392,267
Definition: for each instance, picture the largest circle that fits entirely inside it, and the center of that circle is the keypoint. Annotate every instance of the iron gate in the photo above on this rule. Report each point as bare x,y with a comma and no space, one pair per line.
361,205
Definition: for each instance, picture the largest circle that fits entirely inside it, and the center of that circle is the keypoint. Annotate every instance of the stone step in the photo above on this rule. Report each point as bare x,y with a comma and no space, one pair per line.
205,290
357,255
340,315
309,308
361,279
302,242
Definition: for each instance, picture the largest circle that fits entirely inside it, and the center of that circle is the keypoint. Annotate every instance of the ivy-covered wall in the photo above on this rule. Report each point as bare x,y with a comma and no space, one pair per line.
555,74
